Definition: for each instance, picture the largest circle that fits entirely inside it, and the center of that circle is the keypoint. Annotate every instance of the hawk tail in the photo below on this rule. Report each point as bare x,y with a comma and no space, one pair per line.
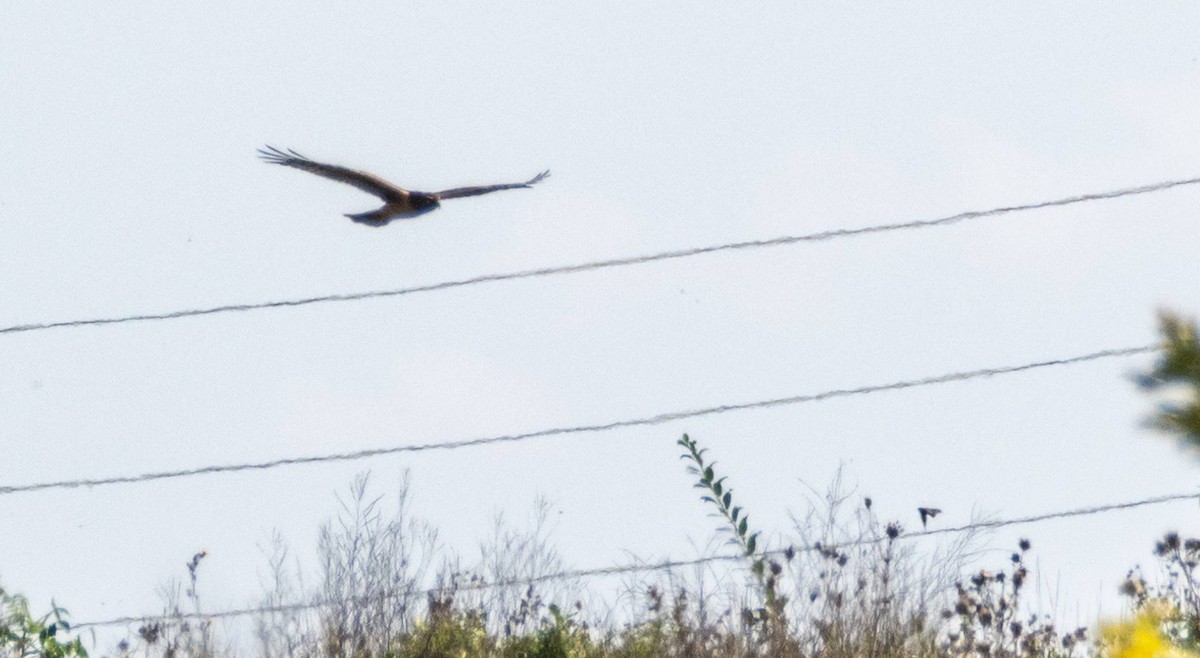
373,218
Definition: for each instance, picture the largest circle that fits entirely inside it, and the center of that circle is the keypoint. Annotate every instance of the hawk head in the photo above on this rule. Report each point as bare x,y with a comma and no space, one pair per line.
424,202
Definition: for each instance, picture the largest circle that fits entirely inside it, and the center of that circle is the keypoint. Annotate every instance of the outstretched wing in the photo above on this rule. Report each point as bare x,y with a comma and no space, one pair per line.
362,180
485,189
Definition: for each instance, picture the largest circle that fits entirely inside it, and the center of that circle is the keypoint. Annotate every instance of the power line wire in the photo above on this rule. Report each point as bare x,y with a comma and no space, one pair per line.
1081,511
578,429
293,607
602,264
664,565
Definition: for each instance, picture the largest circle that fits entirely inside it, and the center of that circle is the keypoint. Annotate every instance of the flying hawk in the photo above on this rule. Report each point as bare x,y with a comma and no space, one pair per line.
397,201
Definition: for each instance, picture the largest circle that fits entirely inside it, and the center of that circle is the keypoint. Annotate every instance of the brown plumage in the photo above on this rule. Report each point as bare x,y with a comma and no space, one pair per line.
397,202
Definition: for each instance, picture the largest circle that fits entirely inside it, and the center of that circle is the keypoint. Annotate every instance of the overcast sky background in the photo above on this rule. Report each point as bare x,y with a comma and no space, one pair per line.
129,184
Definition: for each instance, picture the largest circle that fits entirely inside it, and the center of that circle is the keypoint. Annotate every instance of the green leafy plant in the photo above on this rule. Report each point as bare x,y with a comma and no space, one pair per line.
23,635
1178,368
737,523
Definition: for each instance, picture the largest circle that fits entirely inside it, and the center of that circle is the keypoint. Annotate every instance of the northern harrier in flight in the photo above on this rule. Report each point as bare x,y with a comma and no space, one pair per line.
397,201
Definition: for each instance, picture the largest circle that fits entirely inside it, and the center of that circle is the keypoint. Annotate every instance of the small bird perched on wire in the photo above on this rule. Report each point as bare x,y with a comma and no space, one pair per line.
398,203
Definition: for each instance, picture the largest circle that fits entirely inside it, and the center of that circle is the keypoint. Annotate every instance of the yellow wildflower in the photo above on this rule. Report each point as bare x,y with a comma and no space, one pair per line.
1140,638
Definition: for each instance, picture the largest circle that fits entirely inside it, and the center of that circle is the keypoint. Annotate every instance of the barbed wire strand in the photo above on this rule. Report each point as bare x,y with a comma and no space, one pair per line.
578,429
656,566
615,262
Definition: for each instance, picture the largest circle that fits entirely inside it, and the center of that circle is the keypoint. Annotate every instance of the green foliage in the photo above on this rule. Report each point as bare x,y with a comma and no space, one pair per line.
647,640
558,637
23,636
1178,368
446,636
450,633
737,523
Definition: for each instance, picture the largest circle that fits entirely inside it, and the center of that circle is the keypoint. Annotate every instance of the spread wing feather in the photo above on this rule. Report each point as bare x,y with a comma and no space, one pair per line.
485,189
364,181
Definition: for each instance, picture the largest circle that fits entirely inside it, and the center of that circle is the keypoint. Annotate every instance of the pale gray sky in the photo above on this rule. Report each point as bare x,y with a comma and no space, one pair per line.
129,185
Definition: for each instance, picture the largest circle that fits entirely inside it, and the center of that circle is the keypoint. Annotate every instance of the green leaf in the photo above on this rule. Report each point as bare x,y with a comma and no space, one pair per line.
728,498
708,499
716,487
734,513
743,525
750,546
708,473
